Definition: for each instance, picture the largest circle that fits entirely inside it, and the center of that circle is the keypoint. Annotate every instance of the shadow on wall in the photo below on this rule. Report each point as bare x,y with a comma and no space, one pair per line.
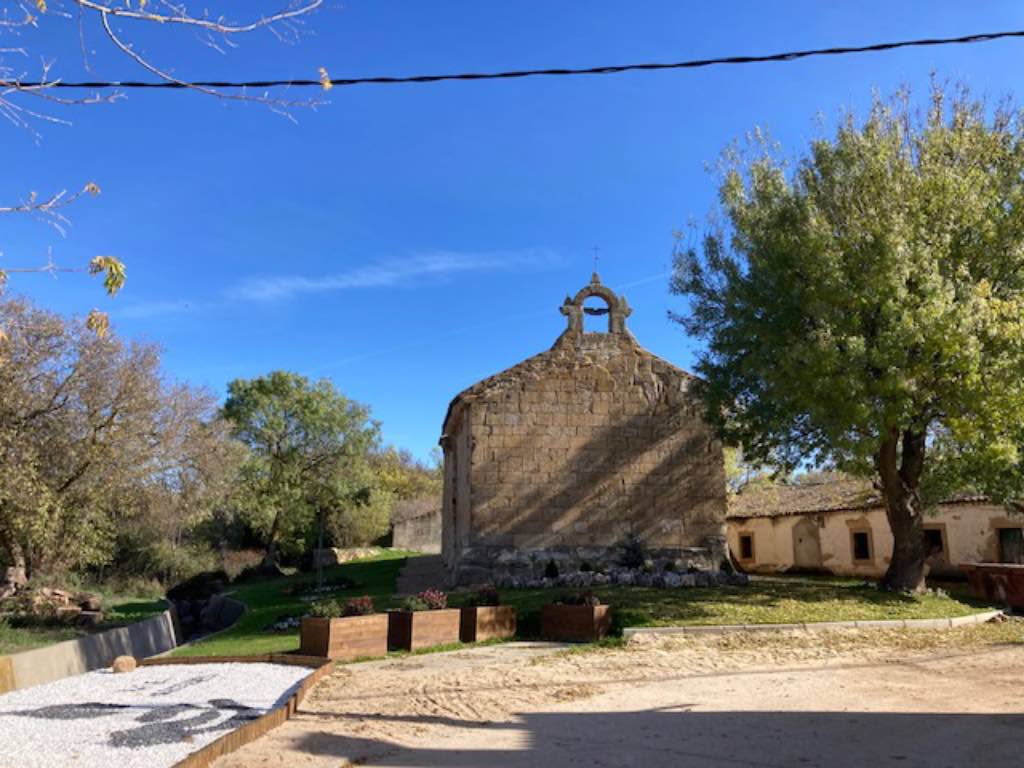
591,493
673,737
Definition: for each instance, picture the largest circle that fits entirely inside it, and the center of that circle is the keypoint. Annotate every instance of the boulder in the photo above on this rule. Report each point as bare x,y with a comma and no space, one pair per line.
124,664
672,580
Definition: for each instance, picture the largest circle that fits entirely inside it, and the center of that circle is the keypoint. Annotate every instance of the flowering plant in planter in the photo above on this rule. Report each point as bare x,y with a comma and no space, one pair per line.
359,606
484,618
346,632
579,598
423,620
576,617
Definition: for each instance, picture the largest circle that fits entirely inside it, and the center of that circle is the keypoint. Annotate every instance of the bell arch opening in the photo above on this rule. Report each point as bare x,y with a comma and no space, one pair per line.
596,315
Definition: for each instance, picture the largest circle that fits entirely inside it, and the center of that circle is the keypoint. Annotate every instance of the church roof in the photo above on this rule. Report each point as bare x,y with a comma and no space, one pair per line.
566,349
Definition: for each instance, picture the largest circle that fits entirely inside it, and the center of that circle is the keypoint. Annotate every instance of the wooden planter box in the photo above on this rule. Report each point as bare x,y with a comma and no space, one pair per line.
487,622
412,630
997,582
575,623
352,637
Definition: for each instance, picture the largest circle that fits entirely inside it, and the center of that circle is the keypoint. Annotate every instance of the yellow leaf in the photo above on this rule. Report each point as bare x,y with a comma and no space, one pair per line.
325,80
92,188
98,323
113,270
41,5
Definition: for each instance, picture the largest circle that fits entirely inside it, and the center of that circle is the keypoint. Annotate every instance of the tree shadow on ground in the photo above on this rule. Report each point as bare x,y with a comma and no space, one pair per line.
674,736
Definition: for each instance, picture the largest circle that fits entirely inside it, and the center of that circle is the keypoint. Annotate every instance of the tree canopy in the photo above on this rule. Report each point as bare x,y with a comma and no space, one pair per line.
92,439
863,305
309,452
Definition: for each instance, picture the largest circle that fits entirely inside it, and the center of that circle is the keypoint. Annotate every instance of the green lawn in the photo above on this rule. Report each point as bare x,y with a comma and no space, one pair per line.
769,600
270,600
118,611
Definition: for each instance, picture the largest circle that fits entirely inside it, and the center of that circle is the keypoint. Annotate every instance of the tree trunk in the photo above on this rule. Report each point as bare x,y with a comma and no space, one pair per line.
900,461
270,556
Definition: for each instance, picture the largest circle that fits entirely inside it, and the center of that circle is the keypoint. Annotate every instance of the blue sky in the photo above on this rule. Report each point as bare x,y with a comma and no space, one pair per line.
406,241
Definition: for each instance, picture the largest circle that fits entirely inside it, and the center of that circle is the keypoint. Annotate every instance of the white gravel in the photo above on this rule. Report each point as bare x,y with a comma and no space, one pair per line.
150,718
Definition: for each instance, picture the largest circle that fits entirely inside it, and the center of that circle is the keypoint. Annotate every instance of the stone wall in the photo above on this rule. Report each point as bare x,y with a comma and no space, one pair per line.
574,449
420,533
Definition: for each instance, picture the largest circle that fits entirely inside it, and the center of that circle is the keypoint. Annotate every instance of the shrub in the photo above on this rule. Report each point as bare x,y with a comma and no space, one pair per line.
670,567
413,603
578,598
358,606
634,551
325,609
484,596
201,586
434,599
586,567
551,570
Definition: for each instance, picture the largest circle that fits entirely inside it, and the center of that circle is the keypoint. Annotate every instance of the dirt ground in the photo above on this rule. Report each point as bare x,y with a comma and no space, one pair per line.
869,698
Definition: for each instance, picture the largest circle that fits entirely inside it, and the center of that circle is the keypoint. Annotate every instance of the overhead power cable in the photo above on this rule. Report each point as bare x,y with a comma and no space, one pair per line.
611,69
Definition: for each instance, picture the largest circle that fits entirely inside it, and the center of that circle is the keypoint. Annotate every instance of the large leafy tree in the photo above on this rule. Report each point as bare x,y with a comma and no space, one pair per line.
91,439
309,451
863,306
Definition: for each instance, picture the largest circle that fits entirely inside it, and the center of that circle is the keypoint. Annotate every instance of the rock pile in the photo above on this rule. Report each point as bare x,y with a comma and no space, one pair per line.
629,577
84,609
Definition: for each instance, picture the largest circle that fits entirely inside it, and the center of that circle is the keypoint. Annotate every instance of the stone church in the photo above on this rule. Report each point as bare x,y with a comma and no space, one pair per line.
560,457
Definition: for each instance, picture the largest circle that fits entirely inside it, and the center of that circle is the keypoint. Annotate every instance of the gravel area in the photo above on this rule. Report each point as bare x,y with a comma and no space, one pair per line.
152,717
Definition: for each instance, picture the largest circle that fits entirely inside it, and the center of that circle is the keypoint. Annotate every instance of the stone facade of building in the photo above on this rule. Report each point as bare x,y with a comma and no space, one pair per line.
559,458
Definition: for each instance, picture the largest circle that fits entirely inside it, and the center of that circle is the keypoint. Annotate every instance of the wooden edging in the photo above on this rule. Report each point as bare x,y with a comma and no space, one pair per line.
251,731
817,626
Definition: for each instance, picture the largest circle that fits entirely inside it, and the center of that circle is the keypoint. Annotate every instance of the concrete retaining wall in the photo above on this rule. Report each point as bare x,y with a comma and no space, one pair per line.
73,657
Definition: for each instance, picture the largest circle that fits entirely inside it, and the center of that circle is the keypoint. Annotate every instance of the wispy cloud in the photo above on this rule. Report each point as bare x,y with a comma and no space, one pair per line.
147,309
389,273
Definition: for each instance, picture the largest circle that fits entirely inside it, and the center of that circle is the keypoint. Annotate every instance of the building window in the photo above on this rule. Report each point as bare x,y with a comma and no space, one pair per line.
746,546
861,542
934,542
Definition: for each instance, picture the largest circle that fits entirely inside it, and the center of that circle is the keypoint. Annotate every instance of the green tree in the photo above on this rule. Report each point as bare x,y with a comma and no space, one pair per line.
864,306
92,441
308,446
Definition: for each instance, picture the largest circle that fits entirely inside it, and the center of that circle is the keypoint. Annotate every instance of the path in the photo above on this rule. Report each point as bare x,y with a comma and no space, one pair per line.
831,701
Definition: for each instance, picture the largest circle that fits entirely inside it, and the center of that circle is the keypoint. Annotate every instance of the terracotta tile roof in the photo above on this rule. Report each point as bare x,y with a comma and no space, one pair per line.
829,494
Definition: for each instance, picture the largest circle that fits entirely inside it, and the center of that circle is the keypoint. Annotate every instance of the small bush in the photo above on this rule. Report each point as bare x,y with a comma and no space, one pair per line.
325,609
358,606
413,603
634,551
484,596
670,567
551,570
201,586
586,567
578,598
434,599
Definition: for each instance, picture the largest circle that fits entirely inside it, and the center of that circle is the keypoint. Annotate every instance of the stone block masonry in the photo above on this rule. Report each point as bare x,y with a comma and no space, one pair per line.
560,457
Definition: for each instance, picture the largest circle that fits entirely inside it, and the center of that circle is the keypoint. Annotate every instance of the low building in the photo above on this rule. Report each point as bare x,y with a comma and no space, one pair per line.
558,458
839,525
